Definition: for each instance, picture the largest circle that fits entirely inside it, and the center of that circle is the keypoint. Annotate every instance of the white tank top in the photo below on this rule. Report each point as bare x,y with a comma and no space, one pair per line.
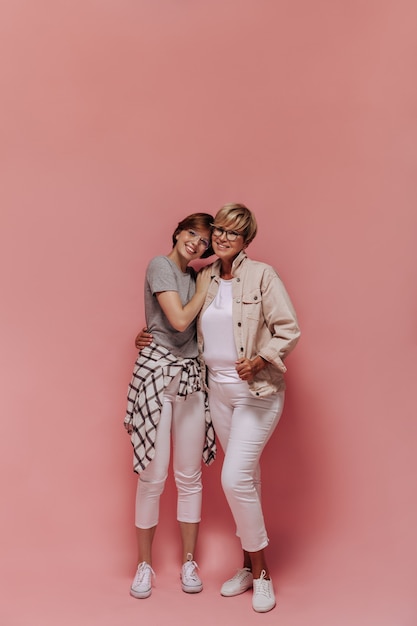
219,345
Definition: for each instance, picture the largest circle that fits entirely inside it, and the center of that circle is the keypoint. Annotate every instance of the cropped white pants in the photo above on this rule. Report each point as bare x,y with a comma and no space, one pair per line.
184,419
243,425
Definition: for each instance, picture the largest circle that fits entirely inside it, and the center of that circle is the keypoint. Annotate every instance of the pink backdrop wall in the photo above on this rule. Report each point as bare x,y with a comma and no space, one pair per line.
117,119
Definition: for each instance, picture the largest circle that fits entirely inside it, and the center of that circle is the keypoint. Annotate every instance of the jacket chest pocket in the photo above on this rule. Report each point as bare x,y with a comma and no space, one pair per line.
252,305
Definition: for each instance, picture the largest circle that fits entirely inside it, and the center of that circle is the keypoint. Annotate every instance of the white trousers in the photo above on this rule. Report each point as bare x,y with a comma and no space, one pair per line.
184,419
243,425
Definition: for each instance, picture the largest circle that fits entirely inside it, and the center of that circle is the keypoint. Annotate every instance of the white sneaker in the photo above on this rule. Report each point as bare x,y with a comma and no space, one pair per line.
190,580
142,582
241,582
263,598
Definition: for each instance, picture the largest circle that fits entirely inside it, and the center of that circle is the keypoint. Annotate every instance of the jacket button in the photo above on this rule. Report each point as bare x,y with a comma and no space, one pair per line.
238,300
257,393
238,280
255,297
241,349
239,323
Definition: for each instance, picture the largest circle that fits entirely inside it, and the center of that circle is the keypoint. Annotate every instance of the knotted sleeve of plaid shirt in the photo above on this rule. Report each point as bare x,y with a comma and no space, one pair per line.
154,369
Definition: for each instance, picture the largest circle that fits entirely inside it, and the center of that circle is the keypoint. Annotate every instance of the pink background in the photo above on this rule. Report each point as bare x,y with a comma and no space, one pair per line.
118,118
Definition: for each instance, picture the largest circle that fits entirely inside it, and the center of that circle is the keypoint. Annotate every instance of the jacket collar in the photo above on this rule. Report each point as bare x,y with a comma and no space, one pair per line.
235,265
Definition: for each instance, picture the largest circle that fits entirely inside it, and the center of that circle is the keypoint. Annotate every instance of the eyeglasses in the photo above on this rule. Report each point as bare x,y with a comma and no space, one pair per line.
231,235
202,241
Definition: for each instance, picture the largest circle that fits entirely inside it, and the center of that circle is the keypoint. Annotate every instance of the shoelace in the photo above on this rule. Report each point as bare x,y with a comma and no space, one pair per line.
190,568
262,586
144,571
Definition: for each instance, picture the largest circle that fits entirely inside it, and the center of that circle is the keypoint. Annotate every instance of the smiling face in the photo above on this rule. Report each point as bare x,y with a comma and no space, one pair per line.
191,239
233,229
192,243
197,223
227,241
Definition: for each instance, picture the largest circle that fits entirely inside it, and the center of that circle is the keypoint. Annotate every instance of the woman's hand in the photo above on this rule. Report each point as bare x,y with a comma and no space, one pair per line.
143,339
248,368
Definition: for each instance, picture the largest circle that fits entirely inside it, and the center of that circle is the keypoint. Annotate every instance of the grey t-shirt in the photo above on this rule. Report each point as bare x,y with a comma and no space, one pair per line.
163,274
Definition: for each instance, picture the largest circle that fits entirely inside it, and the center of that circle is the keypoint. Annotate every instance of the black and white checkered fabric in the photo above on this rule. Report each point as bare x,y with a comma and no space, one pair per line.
154,369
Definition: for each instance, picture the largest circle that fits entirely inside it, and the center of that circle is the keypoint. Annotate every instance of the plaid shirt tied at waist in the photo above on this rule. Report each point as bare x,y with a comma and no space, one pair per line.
154,369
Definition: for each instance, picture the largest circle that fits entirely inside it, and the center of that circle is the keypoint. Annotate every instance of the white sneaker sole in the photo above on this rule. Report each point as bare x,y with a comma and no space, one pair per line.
188,589
140,594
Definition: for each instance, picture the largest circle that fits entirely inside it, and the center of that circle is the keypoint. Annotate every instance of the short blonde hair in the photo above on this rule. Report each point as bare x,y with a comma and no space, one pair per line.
237,217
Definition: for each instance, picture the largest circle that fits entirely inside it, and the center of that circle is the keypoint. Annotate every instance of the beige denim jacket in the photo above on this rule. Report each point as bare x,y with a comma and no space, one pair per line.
264,320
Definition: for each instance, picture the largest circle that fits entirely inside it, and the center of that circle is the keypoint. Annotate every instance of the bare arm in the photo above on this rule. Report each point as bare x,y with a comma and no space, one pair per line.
179,316
174,306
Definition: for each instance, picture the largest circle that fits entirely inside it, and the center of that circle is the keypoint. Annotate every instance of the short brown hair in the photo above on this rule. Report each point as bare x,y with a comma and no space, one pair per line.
195,220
